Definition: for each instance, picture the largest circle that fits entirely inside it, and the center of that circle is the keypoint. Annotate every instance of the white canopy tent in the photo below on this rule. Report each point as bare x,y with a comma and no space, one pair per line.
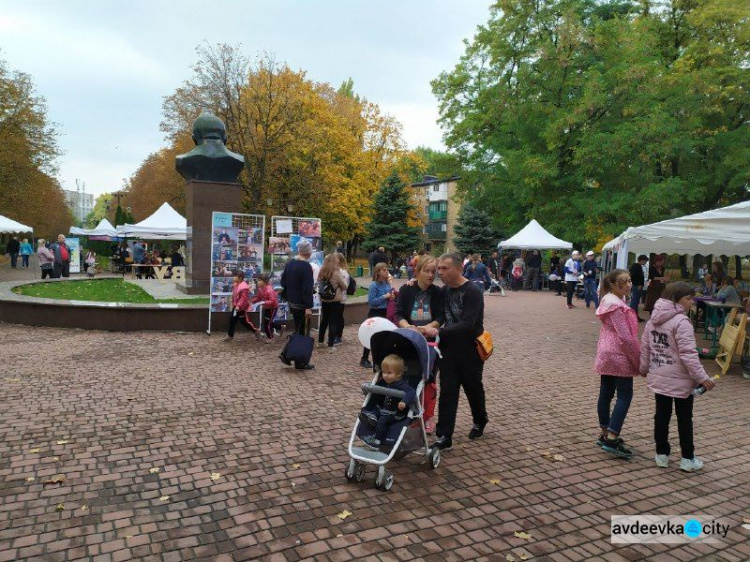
534,237
104,228
164,224
9,225
724,231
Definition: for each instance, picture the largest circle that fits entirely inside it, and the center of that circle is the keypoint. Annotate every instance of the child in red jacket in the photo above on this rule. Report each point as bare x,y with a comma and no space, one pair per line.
267,296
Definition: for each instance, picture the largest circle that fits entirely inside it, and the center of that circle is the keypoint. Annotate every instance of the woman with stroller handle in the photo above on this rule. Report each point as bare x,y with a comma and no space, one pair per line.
378,295
420,305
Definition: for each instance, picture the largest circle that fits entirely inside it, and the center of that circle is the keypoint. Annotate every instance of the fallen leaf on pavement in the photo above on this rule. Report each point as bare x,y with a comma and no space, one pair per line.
154,470
495,481
559,458
30,479
33,450
60,507
344,514
84,508
746,519
191,353
215,476
55,459
509,558
529,448
164,498
63,442
522,535
295,465
524,557
54,480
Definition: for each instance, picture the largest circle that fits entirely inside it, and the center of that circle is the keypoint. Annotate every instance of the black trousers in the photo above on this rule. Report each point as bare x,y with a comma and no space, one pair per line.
300,326
571,289
47,273
460,368
331,319
684,409
61,270
239,316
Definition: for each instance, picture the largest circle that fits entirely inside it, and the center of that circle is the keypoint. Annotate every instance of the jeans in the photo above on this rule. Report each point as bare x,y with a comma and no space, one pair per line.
14,260
457,370
589,292
570,289
25,260
624,388
635,297
684,409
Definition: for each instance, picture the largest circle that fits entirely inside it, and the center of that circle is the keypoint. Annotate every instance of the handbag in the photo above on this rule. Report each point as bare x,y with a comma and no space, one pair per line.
484,345
351,288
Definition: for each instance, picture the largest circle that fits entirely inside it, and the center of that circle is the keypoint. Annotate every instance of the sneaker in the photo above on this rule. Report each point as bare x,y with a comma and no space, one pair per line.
365,363
368,418
691,465
443,443
337,341
331,349
662,461
429,427
477,430
308,367
600,440
571,306
617,449
228,339
371,442
321,344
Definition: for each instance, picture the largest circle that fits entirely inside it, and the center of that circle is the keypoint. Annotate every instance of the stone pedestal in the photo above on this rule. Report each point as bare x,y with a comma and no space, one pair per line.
202,199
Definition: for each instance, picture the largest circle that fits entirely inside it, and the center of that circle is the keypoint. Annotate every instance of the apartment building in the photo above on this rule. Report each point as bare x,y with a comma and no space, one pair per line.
437,201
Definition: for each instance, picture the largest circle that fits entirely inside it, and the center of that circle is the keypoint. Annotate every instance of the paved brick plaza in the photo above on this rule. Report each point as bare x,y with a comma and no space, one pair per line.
87,418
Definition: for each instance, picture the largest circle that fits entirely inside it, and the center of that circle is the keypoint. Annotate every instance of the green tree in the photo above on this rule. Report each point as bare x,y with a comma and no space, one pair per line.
595,115
119,216
391,213
474,232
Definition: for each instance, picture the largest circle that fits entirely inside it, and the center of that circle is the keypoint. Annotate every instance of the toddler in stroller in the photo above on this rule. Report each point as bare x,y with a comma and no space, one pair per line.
391,432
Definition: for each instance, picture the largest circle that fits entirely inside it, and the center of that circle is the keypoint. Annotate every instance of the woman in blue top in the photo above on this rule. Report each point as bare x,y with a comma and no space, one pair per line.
476,272
377,297
26,251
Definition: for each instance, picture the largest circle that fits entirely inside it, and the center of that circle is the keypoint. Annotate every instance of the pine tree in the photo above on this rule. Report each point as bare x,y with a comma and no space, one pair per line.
474,233
389,225
119,216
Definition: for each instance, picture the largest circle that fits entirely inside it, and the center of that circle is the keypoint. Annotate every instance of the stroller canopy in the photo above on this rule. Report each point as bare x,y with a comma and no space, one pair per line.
406,343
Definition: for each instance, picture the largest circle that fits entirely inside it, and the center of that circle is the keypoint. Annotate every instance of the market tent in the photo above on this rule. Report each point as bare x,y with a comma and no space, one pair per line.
534,237
104,228
165,223
9,225
724,231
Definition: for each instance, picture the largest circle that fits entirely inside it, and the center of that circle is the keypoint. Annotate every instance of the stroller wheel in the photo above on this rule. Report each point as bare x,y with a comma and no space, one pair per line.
350,470
359,472
384,479
388,483
435,457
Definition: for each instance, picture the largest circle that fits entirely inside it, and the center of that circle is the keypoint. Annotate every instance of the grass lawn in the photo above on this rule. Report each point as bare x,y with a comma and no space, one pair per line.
99,290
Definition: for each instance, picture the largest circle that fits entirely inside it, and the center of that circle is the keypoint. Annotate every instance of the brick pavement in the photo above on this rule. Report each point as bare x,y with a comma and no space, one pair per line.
86,418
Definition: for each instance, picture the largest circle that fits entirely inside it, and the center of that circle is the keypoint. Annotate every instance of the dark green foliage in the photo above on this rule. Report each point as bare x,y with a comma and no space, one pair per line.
389,226
474,232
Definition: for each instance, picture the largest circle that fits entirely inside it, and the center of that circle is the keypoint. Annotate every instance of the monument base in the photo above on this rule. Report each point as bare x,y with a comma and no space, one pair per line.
203,198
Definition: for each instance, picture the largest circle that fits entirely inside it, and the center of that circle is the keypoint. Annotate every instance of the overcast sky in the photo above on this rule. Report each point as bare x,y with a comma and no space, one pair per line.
104,67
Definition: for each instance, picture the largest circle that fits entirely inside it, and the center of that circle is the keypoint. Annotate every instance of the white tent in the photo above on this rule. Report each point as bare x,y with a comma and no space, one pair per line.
165,223
104,228
724,231
534,237
9,225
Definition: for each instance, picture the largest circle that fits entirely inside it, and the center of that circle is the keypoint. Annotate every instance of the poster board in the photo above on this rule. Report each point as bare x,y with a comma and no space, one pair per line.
75,254
237,242
286,234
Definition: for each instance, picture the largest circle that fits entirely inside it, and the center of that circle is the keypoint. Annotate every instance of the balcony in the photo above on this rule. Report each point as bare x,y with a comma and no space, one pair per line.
438,215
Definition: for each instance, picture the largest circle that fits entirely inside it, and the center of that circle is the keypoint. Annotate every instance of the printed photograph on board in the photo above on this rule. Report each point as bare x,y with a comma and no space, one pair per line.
223,253
317,258
279,261
222,284
251,253
226,236
250,236
224,269
278,245
221,303
309,228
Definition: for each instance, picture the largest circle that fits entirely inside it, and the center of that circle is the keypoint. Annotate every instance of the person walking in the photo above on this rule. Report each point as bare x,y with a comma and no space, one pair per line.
46,259
639,281
461,365
476,272
332,279
62,254
572,271
590,271
618,359
26,251
339,321
420,305
13,248
378,296
534,263
240,306
658,279
297,284
670,360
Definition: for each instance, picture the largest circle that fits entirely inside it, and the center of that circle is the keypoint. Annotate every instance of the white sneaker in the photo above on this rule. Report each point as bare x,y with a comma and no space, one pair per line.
662,461
691,465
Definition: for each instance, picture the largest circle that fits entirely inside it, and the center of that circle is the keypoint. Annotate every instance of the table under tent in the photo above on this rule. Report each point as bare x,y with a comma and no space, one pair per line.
9,226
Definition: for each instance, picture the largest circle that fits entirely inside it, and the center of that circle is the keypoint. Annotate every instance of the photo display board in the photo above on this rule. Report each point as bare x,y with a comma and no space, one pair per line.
286,234
237,242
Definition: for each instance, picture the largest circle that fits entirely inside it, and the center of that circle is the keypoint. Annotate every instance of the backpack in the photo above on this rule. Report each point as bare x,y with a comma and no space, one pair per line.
326,290
351,288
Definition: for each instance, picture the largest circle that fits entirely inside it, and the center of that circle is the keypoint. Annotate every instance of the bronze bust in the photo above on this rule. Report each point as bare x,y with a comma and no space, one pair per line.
210,160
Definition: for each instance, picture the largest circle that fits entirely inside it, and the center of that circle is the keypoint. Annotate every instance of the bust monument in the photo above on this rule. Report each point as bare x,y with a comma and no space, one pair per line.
210,160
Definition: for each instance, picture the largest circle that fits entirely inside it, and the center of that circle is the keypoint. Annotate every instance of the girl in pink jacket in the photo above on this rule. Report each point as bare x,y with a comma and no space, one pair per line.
617,360
240,306
669,357
266,295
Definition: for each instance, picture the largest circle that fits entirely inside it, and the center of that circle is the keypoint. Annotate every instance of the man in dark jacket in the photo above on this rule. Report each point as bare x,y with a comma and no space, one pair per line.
639,281
297,283
533,264
378,256
62,257
14,247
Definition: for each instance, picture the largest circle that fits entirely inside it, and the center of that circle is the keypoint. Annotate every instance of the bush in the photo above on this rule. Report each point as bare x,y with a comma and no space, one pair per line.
3,249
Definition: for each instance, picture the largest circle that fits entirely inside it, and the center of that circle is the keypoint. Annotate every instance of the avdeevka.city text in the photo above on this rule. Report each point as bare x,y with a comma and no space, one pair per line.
667,528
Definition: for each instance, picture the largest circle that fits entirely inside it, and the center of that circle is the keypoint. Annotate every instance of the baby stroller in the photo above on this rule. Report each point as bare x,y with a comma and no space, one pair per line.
497,287
403,437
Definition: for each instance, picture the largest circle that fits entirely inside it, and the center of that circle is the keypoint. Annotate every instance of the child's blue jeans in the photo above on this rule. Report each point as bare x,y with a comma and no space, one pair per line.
624,388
